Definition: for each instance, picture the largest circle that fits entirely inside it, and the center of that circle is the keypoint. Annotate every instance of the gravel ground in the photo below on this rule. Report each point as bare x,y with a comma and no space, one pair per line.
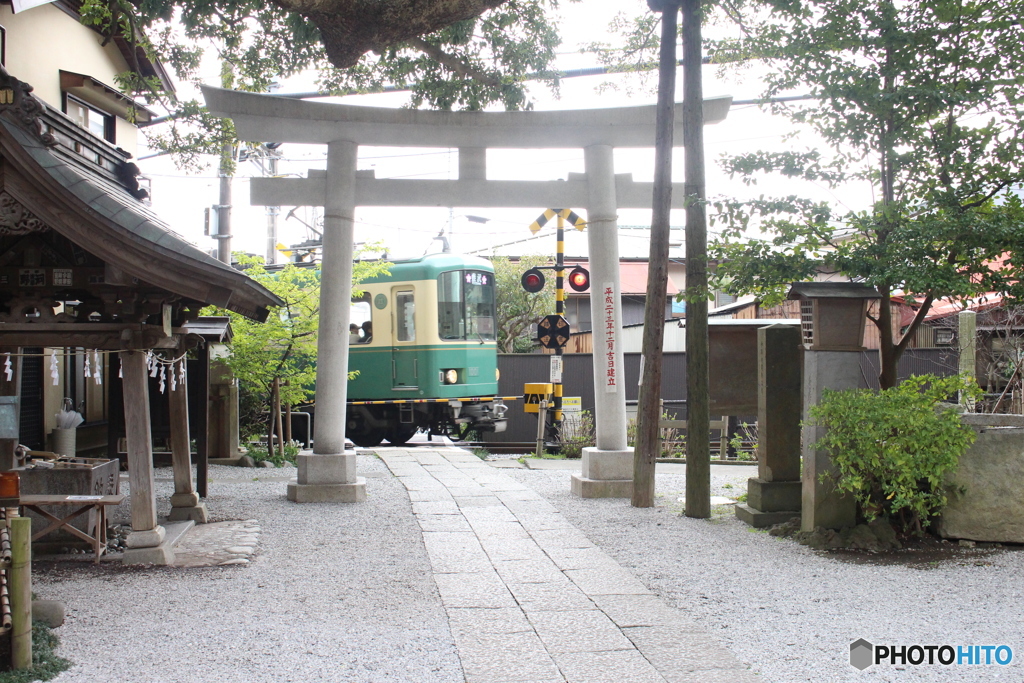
344,593
335,593
791,612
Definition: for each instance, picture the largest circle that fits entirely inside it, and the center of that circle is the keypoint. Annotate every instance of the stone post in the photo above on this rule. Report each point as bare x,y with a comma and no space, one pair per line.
967,342
607,469
146,540
822,505
185,503
329,473
773,496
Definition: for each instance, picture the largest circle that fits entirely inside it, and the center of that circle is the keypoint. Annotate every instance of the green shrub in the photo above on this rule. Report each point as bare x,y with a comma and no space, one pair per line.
892,449
259,453
744,442
46,665
577,434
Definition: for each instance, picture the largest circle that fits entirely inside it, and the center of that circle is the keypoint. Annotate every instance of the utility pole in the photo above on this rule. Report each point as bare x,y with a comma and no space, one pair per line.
272,211
649,406
226,170
698,432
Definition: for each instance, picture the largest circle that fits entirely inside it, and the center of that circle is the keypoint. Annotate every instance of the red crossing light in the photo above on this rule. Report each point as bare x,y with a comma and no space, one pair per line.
579,279
533,280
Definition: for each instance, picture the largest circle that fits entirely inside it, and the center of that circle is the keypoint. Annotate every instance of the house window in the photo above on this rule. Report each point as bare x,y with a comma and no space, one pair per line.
93,120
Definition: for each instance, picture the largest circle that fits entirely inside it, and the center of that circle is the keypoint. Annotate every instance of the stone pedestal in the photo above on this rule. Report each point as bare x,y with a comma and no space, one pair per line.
770,502
186,506
155,546
148,547
327,479
773,497
604,474
822,505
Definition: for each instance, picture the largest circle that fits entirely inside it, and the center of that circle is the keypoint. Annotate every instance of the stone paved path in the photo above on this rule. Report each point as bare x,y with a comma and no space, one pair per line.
530,598
218,544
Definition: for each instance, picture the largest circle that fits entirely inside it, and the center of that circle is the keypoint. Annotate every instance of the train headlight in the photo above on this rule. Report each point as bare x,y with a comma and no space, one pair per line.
451,376
497,374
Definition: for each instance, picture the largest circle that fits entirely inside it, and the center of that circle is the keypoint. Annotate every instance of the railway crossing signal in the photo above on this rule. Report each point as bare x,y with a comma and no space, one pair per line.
553,331
579,279
533,280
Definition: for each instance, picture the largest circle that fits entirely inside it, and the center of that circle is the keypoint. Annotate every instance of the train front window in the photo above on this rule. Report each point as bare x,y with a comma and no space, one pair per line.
465,305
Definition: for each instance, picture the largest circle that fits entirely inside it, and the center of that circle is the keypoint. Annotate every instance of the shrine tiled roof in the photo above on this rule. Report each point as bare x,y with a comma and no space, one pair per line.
93,203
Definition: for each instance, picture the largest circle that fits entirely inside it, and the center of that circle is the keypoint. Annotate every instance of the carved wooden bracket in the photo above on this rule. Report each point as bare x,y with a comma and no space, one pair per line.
16,97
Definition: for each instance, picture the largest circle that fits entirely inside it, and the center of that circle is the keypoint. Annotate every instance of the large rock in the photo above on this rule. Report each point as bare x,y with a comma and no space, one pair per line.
990,506
48,612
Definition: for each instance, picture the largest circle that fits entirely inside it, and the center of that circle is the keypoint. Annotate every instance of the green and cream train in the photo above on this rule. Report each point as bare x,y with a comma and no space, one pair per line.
425,352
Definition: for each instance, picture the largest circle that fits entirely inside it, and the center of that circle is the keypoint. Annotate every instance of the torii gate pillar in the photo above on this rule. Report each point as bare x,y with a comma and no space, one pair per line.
607,469
329,473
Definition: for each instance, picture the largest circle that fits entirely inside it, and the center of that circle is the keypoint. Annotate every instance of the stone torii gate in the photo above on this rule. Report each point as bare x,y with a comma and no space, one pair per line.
329,474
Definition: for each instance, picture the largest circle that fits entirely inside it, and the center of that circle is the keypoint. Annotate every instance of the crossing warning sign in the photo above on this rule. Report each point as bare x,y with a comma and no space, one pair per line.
553,331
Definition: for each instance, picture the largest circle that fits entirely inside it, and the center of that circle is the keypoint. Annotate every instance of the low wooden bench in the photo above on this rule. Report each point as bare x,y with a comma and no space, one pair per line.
82,505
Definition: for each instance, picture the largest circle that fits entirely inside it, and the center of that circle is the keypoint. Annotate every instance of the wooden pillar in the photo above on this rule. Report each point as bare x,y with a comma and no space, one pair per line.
10,388
202,431
146,532
184,502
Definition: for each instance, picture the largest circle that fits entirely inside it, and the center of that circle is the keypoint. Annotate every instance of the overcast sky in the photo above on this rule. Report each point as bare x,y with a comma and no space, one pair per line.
180,198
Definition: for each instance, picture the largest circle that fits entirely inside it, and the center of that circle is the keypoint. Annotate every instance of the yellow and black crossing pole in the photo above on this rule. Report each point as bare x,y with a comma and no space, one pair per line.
580,283
559,310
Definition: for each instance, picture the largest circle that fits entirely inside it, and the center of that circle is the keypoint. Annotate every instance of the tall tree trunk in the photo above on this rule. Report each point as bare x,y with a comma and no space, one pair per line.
649,408
275,412
887,349
698,433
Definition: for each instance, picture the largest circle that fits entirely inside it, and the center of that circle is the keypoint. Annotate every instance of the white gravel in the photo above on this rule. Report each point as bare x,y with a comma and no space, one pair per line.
335,593
344,593
791,612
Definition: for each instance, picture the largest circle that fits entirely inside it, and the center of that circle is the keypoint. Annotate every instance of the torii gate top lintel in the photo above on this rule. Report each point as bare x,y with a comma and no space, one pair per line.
270,117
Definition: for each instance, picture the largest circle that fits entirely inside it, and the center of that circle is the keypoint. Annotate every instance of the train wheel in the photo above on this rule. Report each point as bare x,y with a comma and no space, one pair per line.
369,438
401,435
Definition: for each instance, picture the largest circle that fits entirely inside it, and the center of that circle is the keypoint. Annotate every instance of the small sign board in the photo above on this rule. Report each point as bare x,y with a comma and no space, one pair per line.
556,370
572,410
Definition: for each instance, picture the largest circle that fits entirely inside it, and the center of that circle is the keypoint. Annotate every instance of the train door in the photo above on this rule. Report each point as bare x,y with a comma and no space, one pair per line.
404,366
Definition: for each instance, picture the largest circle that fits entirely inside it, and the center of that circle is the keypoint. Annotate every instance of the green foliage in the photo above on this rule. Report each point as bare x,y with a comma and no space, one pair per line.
892,449
284,347
258,452
918,103
471,64
577,434
516,308
46,665
744,442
